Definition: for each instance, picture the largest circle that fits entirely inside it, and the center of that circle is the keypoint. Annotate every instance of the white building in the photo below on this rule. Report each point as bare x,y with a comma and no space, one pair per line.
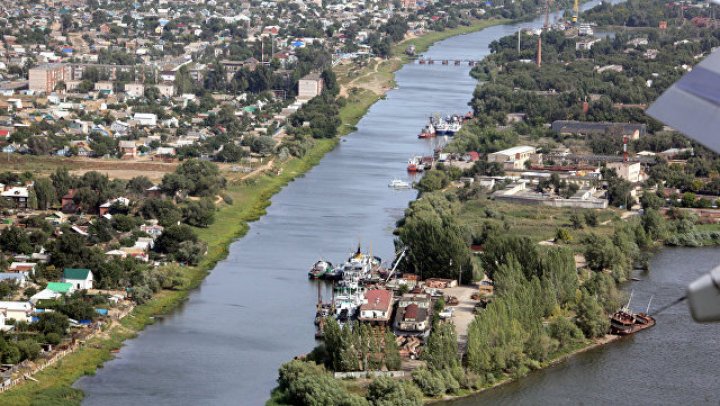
18,311
630,171
135,89
145,119
513,158
309,86
79,278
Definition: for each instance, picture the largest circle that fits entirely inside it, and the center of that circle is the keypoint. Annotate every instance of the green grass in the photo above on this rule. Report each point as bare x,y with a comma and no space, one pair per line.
537,222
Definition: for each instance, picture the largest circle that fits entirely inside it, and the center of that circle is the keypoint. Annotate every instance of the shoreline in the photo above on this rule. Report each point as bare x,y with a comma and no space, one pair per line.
561,358
251,198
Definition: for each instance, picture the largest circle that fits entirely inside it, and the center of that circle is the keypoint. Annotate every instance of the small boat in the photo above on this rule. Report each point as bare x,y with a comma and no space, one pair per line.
415,164
625,321
399,184
319,270
427,132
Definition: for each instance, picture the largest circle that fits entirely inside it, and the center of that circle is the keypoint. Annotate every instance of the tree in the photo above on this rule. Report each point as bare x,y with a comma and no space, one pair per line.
171,238
162,210
433,180
436,245
590,316
230,153
591,218
123,223
152,93
198,178
45,193
199,213
52,322
14,239
576,221
441,351
62,181
390,392
601,253
138,185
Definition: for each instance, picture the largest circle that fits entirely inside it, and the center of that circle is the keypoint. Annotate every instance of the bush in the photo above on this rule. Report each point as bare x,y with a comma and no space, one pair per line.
564,331
53,338
431,383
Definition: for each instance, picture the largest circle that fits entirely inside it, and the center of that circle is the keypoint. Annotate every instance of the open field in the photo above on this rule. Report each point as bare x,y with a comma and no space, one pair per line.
540,223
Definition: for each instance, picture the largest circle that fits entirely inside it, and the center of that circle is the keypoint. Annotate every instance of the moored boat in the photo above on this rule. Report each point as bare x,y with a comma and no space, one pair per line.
399,184
319,269
626,322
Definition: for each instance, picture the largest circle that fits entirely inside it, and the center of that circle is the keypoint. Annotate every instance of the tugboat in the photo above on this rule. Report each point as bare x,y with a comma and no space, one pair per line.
428,131
319,270
625,321
415,164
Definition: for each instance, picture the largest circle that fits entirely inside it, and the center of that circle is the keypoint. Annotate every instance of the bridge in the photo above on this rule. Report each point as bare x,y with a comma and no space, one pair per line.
455,62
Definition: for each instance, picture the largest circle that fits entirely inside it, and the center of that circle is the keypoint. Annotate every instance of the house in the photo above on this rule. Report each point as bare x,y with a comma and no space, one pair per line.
18,278
513,158
78,277
67,202
134,89
377,306
62,288
413,315
18,311
27,268
630,171
17,196
571,127
153,230
145,119
309,86
166,90
128,149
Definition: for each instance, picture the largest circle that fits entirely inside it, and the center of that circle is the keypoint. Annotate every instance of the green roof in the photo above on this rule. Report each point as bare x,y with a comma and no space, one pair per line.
59,287
76,273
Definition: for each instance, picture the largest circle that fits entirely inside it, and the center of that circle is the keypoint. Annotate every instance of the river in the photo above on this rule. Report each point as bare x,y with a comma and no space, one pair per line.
254,311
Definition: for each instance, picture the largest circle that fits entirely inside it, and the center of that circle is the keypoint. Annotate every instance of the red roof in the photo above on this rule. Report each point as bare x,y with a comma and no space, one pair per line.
70,194
411,311
474,156
377,299
4,133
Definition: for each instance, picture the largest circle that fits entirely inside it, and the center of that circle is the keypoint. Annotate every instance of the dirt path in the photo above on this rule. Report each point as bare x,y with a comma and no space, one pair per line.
464,312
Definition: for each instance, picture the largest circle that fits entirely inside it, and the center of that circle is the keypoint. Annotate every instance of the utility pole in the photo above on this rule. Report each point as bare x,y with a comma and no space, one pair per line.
519,30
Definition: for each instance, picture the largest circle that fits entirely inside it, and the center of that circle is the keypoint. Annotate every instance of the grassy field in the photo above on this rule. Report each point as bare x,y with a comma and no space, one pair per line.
540,223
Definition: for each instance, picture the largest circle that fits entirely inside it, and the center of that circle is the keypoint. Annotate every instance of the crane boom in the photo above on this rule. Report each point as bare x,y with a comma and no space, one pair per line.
576,11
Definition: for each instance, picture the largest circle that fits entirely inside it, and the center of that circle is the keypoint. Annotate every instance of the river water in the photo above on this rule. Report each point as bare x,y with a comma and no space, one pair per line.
255,309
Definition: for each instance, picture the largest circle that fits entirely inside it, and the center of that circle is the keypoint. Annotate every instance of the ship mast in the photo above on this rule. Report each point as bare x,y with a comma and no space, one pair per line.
647,311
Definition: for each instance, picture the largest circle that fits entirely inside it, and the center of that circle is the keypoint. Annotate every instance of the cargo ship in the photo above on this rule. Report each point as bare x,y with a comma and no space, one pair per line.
625,321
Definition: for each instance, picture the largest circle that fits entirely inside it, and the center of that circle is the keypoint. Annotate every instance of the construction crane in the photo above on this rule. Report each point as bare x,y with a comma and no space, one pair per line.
576,11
